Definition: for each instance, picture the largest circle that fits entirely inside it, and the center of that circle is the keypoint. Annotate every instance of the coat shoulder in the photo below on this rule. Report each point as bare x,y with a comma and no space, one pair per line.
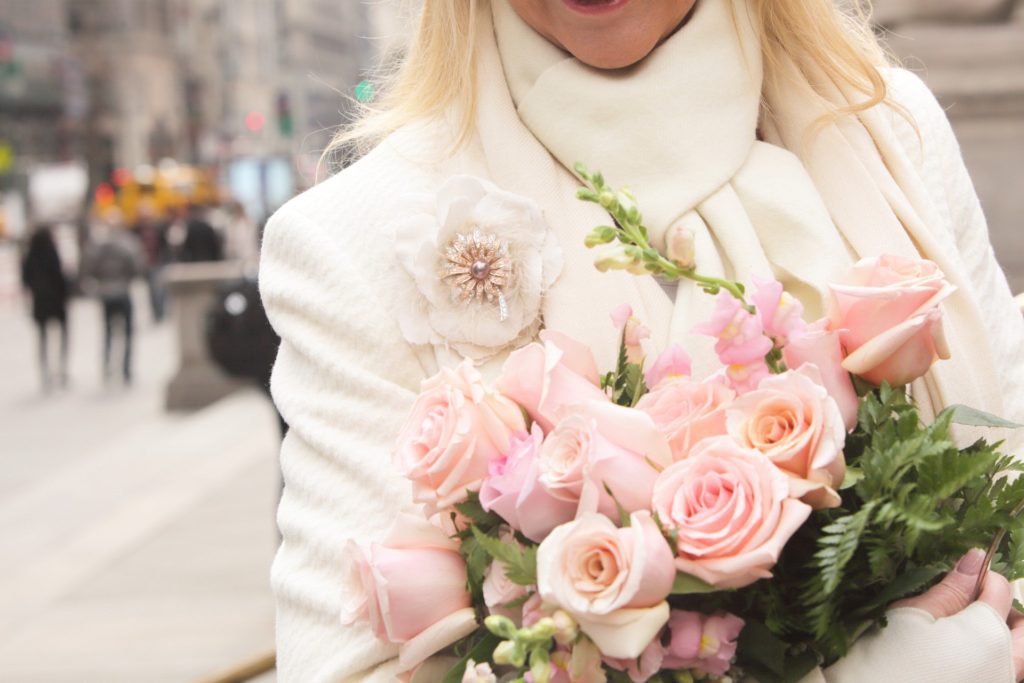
920,120
365,196
925,133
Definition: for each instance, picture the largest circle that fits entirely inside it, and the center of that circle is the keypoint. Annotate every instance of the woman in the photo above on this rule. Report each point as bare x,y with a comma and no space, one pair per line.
43,276
773,129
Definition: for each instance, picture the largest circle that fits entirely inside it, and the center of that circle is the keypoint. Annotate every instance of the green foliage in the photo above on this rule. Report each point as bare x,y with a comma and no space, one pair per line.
685,584
965,415
477,559
627,380
520,562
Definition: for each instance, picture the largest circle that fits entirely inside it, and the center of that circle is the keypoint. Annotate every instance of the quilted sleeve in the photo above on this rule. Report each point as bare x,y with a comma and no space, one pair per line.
344,381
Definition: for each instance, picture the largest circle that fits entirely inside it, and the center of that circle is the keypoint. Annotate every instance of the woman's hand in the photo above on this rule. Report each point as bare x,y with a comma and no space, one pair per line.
955,592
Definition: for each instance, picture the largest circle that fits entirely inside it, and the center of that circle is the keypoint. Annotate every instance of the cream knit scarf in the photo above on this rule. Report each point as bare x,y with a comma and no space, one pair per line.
680,129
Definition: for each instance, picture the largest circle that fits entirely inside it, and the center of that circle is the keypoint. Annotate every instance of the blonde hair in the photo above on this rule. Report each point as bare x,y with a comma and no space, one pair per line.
438,72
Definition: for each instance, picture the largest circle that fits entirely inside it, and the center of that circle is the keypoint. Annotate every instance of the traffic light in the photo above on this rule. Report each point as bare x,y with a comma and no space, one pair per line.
285,124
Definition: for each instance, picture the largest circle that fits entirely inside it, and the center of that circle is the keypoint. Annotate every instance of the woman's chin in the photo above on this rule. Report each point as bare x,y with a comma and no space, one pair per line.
610,55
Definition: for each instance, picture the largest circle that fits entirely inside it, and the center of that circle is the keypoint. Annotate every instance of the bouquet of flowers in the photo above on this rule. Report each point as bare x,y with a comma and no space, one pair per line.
641,525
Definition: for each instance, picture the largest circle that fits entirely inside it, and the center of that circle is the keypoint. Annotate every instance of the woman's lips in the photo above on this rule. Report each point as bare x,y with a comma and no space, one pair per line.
595,6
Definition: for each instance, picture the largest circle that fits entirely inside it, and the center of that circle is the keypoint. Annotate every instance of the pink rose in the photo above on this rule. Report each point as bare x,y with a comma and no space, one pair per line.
889,318
633,332
544,378
740,333
598,445
703,643
793,421
732,510
514,492
686,411
820,347
457,426
674,363
411,588
612,581
781,314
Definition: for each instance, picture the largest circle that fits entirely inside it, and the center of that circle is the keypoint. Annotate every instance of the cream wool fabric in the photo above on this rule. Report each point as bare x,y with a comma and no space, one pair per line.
345,378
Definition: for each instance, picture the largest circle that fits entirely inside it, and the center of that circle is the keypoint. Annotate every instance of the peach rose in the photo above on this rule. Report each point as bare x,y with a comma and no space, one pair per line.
889,318
793,421
598,445
822,348
732,510
544,378
457,426
513,490
411,588
686,411
612,581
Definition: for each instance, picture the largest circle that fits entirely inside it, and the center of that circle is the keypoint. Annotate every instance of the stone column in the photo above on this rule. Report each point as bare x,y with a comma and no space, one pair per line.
199,380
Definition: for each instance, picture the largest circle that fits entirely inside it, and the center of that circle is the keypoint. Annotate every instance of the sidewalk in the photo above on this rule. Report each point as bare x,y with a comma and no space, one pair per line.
135,544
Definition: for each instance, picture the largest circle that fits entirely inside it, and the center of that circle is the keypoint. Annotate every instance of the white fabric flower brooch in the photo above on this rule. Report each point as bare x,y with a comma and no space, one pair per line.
476,261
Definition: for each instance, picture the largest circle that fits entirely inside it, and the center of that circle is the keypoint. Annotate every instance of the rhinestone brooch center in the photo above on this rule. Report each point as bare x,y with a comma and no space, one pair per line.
477,267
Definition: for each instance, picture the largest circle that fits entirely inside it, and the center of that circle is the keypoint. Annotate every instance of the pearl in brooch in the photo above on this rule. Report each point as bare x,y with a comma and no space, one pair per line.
477,266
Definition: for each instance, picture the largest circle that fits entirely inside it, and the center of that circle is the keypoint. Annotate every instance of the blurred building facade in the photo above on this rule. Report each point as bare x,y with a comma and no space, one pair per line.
124,83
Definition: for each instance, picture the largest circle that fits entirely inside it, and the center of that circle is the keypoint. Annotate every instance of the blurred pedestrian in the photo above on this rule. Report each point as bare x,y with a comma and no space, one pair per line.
240,239
201,241
112,261
151,231
43,276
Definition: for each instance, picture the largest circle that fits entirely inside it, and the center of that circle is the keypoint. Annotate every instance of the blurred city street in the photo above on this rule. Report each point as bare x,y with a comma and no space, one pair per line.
136,542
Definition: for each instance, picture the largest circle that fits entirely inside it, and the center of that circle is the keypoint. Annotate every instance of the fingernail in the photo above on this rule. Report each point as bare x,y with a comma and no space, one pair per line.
970,563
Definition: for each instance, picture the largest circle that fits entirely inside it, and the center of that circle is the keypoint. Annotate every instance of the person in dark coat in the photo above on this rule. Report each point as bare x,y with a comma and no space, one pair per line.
43,276
151,232
202,243
112,261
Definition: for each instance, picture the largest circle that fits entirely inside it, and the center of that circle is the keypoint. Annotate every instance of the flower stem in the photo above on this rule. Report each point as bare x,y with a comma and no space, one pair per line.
629,230
996,542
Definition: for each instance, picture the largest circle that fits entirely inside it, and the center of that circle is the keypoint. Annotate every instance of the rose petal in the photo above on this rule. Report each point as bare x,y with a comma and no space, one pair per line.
626,633
449,630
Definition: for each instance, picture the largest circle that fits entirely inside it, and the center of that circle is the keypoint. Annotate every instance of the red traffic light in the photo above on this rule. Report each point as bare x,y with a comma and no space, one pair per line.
255,121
